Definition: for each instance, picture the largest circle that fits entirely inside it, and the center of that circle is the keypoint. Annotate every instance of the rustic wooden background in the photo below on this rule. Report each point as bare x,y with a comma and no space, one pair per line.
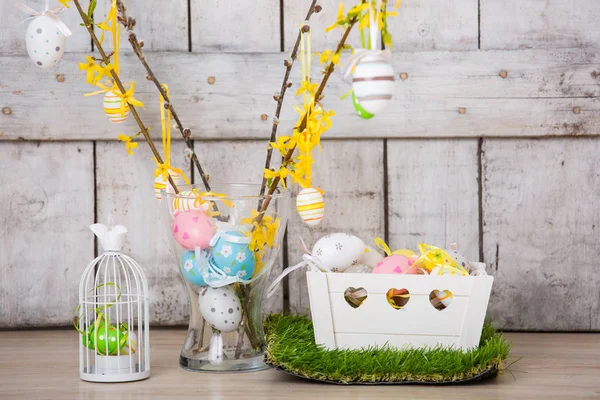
492,142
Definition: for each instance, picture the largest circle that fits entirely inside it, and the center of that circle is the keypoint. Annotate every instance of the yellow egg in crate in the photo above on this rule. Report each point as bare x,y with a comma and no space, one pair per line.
112,108
310,206
373,82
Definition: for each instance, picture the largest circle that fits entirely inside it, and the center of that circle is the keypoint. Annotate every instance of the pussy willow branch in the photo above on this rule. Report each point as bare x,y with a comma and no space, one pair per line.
302,125
129,23
314,8
117,80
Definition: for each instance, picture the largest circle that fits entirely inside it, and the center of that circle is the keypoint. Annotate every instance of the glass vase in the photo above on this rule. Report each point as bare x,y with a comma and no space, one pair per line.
225,242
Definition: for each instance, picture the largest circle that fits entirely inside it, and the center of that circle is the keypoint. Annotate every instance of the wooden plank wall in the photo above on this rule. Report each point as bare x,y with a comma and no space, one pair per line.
492,142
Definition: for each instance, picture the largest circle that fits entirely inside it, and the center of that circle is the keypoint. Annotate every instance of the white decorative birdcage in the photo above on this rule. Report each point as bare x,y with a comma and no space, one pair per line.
112,316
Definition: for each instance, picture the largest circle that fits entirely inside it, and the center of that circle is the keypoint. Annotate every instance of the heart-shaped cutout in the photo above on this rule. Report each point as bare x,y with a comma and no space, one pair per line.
176,229
185,235
355,297
440,299
195,219
397,297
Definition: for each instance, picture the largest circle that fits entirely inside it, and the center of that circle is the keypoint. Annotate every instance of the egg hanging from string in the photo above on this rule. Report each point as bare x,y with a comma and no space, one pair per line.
161,183
310,206
45,43
112,107
372,84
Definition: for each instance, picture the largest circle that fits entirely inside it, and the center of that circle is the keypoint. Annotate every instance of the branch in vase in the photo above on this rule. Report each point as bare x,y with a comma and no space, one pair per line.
119,83
129,22
314,8
318,95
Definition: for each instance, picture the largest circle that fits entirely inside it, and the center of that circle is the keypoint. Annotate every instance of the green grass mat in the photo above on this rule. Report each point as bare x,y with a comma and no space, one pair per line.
291,348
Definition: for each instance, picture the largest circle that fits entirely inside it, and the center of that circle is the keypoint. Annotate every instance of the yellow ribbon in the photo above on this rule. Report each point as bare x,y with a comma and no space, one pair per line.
222,197
162,169
386,249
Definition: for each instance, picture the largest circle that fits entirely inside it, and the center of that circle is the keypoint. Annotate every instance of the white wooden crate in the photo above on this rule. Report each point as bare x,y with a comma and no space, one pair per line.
377,323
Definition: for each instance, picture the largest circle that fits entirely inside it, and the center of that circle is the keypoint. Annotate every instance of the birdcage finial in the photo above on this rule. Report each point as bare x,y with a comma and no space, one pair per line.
111,239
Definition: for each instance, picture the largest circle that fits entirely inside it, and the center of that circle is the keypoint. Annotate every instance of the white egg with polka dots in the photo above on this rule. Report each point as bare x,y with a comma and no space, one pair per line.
221,308
45,42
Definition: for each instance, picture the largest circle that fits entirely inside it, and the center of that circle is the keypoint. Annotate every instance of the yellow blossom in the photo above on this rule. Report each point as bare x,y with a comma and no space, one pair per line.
129,145
91,69
65,3
307,87
341,19
328,56
127,97
282,173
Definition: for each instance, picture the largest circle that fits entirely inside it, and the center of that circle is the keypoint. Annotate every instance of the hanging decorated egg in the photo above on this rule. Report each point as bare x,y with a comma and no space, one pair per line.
188,201
161,183
310,206
221,308
232,255
371,257
396,264
112,107
193,229
359,109
339,251
45,42
373,82
189,268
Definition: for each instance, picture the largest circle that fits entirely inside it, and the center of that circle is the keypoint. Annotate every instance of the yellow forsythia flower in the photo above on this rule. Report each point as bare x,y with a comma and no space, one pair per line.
129,145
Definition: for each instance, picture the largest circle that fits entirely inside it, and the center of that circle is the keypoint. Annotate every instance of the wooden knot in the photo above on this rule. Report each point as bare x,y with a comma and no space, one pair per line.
211,80
576,110
60,78
403,76
503,74
264,117
462,110
6,111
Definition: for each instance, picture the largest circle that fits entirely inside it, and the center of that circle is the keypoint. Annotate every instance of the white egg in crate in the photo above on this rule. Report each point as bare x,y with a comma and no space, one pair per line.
45,42
373,82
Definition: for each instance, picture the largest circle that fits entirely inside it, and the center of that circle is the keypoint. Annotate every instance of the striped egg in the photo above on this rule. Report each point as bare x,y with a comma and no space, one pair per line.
160,183
373,83
112,108
189,202
310,206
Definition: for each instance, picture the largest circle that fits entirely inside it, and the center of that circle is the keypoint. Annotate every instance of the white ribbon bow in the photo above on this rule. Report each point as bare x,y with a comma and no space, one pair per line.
51,13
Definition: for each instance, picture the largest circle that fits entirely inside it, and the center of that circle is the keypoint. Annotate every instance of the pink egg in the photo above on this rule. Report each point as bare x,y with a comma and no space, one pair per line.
396,264
193,229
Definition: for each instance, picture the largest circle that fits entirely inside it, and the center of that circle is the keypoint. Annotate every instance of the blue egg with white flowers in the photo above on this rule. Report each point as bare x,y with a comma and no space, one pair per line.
232,255
190,270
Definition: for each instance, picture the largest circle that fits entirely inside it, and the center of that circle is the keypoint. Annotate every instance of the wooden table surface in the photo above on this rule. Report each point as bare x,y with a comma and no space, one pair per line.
44,365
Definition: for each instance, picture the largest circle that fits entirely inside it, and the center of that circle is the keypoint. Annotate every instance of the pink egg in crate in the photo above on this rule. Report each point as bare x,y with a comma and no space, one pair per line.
396,264
193,229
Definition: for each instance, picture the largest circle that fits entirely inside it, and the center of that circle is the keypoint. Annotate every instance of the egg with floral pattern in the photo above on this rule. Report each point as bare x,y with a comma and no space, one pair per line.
232,255
189,268
44,42
339,251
